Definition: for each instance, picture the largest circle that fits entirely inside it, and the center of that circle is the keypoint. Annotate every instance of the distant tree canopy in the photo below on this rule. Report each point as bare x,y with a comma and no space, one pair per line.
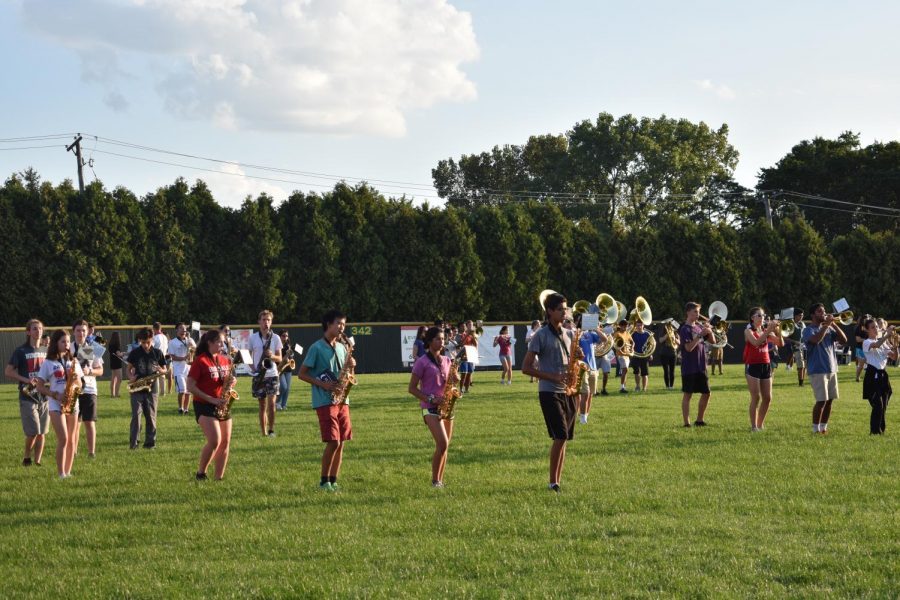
625,169
175,254
838,169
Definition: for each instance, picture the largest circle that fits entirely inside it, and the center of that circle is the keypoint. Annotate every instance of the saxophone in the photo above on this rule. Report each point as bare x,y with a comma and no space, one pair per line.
223,411
73,387
577,368
450,393
346,379
143,384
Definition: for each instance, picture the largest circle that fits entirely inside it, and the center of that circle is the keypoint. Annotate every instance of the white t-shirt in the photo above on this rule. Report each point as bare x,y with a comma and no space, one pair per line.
179,349
256,348
161,343
54,375
877,357
89,382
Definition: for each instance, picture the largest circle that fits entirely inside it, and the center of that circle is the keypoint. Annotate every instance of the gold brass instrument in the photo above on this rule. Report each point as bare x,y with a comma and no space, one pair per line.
649,348
289,365
144,384
671,333
30,390
580,307
450,394
786,328
73,387
230,395
192,352
609,309
346,378
844,318
622,343
542,297
641,312
576,368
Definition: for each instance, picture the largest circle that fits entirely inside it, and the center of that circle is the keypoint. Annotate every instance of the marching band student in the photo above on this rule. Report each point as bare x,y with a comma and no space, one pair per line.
859,336
205,381
285,373
227,342
819,337
623,355
589,387
604,363
505,342
179,349
321,369
51,382
115,364
798,354
639,365
466,368
265,347
876,383
535,325
24,366
427,382
161,343
667,355
547,360
757,365
419,349
716,357
144,361
87,401
693,363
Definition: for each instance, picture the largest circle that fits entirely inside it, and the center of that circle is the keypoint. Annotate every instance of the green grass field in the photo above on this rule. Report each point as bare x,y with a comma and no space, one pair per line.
648,509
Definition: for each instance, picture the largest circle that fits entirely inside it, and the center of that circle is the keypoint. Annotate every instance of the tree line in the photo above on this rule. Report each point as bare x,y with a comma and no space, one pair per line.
175,254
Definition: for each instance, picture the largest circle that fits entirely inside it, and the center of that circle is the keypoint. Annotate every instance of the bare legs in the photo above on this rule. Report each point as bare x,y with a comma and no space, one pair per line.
686,408
218,443
267,415
66,428
557,458
442,431
331,459
760,398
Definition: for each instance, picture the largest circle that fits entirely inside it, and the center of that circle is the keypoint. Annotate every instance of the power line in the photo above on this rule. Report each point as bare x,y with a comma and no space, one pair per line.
34,147
843,210
33,138
835,201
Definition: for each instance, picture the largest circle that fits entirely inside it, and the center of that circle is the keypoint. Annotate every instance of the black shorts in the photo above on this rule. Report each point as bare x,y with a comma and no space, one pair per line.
202,409
758,371
87,407
639,366
695,383
559,414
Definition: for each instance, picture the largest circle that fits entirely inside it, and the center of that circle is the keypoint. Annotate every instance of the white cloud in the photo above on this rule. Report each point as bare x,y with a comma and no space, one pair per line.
720,90
340,66
230,187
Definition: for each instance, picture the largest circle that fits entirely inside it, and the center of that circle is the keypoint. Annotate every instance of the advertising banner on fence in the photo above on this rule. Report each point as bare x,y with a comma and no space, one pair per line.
407,340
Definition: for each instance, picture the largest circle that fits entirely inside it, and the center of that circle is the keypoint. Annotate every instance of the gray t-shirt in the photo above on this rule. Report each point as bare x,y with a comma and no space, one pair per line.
553,355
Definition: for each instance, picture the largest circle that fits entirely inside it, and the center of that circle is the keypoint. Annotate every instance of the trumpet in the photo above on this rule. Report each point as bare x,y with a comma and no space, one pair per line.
288,365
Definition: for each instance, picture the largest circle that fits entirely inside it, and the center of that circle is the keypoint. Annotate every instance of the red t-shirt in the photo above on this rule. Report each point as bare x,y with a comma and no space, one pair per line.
755,355
206,375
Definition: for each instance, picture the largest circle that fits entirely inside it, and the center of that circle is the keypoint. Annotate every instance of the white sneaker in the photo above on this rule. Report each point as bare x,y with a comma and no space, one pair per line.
637,388
583,419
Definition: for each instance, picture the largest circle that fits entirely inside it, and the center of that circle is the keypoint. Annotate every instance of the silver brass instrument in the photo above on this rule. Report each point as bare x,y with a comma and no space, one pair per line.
720,329
608,309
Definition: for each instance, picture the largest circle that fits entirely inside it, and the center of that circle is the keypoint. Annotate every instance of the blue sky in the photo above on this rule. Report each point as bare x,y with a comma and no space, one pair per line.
383,89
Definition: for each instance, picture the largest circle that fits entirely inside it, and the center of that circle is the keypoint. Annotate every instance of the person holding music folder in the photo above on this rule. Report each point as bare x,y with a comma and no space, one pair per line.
427,382
285,372
145,361
179,350
757,364
205,382
92,366
23,367
547,360
694,379
321,369
819,337
589,387
466,368
505,341
640,366
265,347
876,383
51,383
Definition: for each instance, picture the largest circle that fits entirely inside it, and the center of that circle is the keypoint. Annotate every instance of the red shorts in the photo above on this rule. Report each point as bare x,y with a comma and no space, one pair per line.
334,423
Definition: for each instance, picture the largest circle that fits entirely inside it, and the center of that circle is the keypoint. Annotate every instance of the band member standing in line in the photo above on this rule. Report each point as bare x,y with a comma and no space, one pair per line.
161,343
667,356
24,366
321,369
716,357
757,364
623,354
51,382
115,364
227,342
798,355
144,361
419,348
535,326
859,336
92,366
285,372
693,363
550,346
639,365
265,347
466,368
505,342
589,387
205,381
429,377
876,383
819,337
179,349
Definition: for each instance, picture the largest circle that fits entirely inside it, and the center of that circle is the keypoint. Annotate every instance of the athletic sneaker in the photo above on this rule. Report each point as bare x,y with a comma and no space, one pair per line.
583,419
437,484
554,487
700,423
325,486
623,391
604,393
335,487
201,477
271,434
26,462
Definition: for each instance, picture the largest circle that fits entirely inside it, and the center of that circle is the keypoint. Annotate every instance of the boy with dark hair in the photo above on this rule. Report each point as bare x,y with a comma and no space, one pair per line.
693,363
144,361
819,338
321,368
23,368
92,366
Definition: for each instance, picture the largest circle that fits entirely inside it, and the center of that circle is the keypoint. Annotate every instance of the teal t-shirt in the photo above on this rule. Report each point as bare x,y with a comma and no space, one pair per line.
325,362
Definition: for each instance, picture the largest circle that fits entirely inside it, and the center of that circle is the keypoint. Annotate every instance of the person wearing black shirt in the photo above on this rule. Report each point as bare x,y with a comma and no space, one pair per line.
144,361
23,367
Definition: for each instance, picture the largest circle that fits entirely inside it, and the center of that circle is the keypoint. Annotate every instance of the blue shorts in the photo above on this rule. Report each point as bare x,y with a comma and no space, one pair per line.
466,367
860,354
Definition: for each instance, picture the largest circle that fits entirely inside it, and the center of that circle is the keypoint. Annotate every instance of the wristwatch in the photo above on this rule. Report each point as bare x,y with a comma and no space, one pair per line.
430,398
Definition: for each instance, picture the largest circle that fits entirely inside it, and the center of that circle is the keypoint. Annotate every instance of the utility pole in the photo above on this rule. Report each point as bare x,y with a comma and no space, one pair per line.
77,145
768,206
